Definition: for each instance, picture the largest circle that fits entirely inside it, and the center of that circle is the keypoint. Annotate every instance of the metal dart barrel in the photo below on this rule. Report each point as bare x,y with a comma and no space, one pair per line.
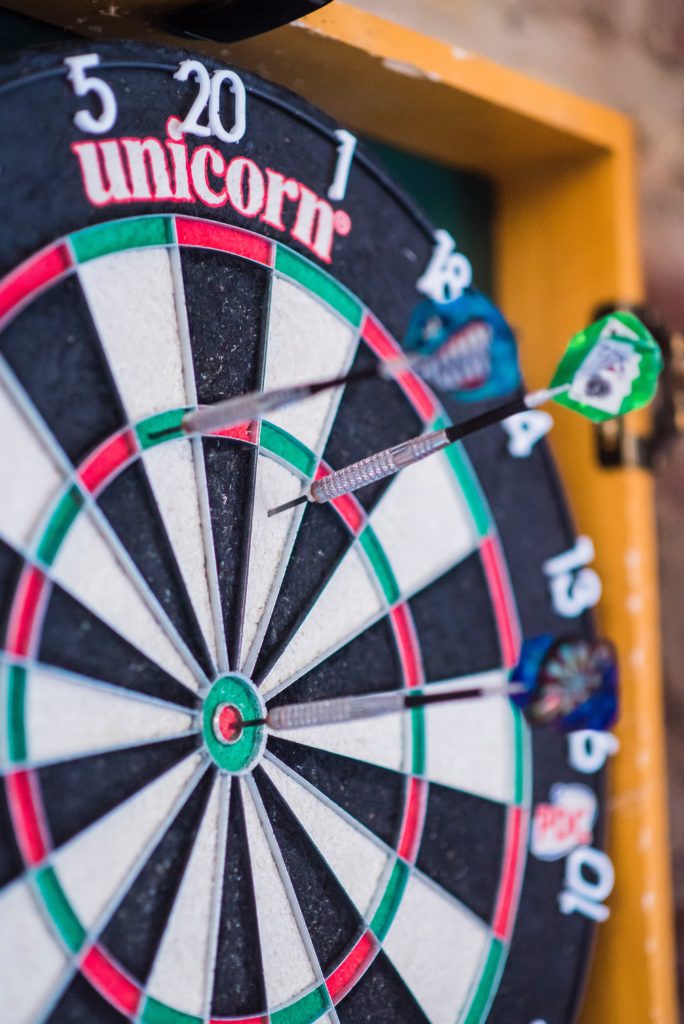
377,466
334,709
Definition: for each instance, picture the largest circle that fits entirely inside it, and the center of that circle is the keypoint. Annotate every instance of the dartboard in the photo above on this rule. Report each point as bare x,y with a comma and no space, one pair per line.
175,233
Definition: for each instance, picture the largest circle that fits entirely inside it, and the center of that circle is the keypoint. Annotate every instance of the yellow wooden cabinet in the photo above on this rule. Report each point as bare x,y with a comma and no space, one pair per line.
566,240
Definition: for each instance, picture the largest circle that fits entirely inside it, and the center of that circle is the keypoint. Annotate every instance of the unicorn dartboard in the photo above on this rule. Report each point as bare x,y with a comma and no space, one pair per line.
175,233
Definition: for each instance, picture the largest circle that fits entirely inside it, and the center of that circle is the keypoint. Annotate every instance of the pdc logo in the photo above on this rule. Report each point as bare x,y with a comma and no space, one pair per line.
565,822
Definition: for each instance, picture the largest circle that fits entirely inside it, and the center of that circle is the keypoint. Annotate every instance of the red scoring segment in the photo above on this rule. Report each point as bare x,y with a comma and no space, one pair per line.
357,961
110,981
509,888
227,723
32,275
26,809
212,235
502,601
112,455
385,347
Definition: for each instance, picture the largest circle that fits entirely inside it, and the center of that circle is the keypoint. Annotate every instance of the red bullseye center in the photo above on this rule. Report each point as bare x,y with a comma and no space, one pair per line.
227,723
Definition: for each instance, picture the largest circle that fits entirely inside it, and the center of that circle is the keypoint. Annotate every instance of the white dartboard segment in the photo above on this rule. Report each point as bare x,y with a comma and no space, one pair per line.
423,524
270,543
356,860
116,846
72,717
132,301
303,332
180,972
29,948
86,566
436,946
35,478
350,602
132,297
170,469
378,741
284,976
483,725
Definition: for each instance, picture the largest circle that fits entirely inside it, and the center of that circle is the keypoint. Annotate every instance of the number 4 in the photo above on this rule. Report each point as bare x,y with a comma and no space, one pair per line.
524,430
87,122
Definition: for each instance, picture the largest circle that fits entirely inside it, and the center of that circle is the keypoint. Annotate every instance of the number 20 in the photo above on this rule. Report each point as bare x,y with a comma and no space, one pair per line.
209,96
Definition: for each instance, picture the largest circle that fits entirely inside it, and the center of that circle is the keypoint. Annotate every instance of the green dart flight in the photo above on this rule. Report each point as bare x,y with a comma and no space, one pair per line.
609,368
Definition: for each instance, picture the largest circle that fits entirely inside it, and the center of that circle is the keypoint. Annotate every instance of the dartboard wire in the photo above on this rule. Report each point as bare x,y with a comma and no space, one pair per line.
196,447
286,883
110,908
386,848
72,479
264,622
225,783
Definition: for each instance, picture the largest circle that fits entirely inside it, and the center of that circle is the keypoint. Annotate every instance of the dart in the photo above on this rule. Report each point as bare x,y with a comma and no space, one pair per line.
336,710
242,408
607,370
569,684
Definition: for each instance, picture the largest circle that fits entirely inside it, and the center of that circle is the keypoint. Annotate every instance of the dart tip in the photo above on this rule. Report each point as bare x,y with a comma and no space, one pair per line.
287,505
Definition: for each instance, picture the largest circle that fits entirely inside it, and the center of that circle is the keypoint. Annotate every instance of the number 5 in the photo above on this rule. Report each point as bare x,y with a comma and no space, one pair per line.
78,66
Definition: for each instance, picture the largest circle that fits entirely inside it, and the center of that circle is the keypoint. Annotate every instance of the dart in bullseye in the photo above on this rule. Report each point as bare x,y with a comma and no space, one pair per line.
370,705
569,684
609,369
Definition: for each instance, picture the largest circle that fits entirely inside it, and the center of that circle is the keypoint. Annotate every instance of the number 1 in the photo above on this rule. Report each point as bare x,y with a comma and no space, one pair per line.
345,155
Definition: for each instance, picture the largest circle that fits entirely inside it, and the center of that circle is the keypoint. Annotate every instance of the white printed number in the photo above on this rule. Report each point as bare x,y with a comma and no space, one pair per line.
209,98
345,155
589,880
524,430
574,588
77,75
448,271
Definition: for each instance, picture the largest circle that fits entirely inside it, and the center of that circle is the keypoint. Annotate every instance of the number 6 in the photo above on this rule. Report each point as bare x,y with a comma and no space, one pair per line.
83,85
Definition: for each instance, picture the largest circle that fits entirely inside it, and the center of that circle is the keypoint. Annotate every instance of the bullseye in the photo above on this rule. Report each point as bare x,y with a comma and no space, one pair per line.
232,703
227,723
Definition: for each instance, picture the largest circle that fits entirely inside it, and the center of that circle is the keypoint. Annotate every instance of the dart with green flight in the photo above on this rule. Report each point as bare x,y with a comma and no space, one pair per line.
608,369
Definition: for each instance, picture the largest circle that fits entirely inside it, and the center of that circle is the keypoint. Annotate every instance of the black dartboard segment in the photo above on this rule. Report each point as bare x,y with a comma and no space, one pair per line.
160,867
